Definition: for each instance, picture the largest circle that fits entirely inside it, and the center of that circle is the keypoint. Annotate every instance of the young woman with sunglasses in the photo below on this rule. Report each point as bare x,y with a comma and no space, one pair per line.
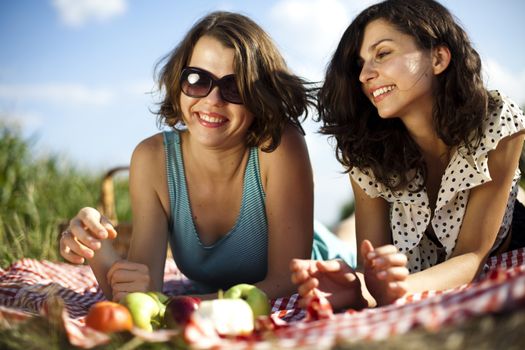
230,187
432,157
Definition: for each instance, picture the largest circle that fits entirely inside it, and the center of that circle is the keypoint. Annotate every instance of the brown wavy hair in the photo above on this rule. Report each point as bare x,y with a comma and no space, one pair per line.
274,95
366,141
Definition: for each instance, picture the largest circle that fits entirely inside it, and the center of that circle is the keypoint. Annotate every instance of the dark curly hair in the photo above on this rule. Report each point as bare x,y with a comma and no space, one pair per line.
383,146
275,96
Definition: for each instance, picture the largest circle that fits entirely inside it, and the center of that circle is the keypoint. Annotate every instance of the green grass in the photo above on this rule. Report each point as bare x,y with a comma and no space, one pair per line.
38,193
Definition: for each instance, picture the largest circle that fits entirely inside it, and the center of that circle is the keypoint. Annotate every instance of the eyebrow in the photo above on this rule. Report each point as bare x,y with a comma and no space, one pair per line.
373,46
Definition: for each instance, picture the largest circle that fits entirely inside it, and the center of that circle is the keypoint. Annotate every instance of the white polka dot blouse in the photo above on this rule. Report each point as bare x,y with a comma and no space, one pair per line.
410,213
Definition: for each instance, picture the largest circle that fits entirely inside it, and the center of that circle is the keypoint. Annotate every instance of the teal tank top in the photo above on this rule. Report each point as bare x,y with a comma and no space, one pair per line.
238,257
241,256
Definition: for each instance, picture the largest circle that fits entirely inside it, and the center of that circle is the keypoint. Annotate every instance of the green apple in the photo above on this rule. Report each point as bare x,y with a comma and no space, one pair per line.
229,317
256,298
160,297
144,309
162,300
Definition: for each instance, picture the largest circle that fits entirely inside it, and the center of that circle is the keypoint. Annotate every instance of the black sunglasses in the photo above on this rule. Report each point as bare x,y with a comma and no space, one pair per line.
197,82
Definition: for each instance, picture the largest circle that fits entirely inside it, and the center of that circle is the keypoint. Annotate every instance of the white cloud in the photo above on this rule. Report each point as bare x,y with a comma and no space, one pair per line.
76,13
61,93
308,31
509,83
319,23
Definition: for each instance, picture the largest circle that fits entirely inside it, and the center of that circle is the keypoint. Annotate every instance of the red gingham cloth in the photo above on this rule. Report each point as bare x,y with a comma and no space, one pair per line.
26,285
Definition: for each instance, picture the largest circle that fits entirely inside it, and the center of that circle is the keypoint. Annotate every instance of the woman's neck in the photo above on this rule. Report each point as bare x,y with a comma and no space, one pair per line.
431,146
213,164
420,126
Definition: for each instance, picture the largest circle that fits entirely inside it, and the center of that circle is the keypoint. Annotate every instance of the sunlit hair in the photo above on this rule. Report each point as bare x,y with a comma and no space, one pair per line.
366,141
275,96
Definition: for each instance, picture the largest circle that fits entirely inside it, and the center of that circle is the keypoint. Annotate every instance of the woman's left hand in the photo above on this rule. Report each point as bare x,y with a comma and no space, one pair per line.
126,277
385,272
334,279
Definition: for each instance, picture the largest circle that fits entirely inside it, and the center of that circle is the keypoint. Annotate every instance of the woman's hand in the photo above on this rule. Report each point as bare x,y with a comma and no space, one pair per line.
385,272
336,280
126,277
84,234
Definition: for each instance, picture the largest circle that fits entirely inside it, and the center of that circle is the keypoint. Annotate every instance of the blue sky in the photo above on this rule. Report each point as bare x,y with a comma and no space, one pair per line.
77,73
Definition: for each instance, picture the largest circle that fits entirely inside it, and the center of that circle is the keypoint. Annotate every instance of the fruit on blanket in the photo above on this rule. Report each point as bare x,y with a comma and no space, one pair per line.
179,310
109,317
256,298
144,309
226,316
162,300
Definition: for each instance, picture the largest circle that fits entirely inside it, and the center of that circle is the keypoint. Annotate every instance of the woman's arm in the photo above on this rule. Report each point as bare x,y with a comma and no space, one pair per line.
483,218
150,208
86,237
382,272
144,268
89,238
288,183
372,220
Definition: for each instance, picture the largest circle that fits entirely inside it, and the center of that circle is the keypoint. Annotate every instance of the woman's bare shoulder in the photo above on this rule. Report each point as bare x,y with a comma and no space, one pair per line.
149,147
289,158
292,143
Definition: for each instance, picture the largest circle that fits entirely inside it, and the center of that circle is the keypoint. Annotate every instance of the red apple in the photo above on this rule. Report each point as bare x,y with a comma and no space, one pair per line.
179,310
109,317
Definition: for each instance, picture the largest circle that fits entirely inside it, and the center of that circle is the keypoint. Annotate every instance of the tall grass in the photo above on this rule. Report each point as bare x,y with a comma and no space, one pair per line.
37,193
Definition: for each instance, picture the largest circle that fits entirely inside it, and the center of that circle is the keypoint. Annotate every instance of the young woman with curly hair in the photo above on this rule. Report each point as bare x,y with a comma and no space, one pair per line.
431,153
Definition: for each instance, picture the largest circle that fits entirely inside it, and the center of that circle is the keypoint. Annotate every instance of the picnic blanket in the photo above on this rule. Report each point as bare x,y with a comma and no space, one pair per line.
27,285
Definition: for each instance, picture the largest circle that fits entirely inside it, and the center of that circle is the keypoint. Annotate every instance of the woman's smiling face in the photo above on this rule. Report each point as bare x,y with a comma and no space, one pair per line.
396,74
214,122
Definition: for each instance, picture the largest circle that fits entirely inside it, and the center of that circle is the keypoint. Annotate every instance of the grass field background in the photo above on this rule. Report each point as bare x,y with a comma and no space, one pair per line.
39,192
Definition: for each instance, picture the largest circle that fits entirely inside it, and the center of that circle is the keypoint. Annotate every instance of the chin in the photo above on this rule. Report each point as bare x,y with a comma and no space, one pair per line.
386,114
211,142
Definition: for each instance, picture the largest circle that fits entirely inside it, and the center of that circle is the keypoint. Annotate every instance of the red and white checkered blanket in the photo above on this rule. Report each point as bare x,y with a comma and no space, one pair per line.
25,288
